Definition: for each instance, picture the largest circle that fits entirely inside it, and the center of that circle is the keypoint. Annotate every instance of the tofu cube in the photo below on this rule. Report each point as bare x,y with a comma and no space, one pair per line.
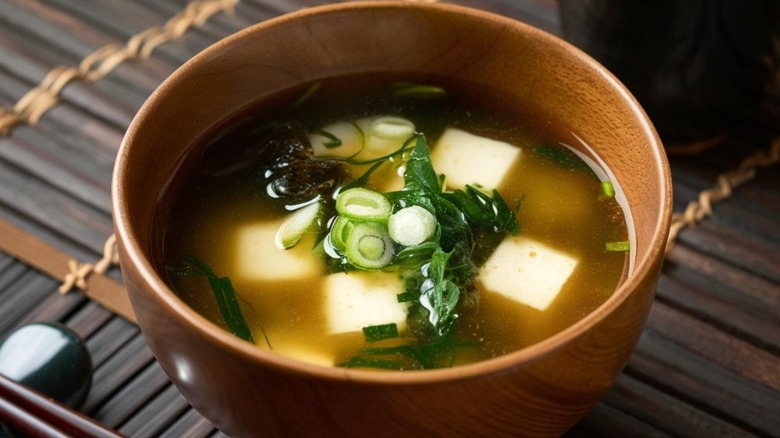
359,299
465,158
258,258
527,271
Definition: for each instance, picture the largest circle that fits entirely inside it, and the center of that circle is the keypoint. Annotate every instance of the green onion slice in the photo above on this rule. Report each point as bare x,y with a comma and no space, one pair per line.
372,362
369,246
341,228
405,89
295,226
333,141
412,225
363,205
607,189
226,298
376,333
620,246
392,128
306,95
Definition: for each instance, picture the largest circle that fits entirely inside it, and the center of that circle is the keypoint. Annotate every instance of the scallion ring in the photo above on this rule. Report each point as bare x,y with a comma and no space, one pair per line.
368,246
363,205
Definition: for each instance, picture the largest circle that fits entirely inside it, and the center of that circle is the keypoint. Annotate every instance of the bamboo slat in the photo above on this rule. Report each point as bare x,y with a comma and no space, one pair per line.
708,363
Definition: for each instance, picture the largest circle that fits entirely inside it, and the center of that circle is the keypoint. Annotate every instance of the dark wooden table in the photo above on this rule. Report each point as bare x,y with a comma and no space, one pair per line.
708,363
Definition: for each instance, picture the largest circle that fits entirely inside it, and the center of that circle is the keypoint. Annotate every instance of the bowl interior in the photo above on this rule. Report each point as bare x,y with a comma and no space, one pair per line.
531,67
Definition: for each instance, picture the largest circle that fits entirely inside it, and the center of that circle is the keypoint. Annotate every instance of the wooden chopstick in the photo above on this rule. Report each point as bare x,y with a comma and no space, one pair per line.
29,413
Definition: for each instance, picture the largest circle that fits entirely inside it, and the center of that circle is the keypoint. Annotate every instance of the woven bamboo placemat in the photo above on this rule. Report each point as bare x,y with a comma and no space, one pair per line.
689,335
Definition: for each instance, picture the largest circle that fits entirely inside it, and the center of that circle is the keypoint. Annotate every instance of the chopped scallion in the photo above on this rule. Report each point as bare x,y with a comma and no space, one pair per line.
392,128
226,298
406,297
376,333
339,232
333,141
295,226
607,189
405,89
411,225
363,204
620,246
368,246
372,362
307,95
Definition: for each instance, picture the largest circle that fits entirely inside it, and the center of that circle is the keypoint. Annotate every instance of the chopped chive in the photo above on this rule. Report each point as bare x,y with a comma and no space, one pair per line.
403,89
306,95
392,128
339,231
607,189
368,246
226,298
407,144
620,246
411,225
363,204
406,297
371,362
333,141
296,225
374,333
237,323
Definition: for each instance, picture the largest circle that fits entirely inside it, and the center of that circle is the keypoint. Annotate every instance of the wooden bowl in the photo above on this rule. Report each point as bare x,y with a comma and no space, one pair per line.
540,390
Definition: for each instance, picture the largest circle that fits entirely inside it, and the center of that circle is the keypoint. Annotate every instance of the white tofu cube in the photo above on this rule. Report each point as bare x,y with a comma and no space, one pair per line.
465,158
527,271
258,257
359,299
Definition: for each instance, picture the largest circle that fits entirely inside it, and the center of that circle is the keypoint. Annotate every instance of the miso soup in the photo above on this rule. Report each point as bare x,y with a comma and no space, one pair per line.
392,222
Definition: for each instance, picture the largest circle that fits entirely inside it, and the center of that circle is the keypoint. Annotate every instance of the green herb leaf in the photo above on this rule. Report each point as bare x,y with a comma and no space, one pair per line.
439,295
420,174
412,257
483,211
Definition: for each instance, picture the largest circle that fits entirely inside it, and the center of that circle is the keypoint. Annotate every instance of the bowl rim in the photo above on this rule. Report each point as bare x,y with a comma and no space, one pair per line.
217,335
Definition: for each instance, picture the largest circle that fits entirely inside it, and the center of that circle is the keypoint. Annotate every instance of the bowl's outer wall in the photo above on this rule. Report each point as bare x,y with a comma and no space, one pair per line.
245,393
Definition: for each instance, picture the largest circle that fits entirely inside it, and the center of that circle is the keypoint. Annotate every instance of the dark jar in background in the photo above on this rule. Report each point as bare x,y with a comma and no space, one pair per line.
698,67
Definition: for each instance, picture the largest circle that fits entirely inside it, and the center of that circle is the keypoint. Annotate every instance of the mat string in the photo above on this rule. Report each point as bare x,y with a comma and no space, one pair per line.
78,273
701,208
33,105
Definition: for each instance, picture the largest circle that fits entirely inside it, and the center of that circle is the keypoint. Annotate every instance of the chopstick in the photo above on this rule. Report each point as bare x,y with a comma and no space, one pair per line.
27,412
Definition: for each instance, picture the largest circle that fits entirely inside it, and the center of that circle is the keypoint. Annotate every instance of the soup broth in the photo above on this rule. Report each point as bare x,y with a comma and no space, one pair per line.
560,256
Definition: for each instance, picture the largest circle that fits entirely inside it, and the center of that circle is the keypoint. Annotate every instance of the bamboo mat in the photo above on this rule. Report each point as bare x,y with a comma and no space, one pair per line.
708,363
